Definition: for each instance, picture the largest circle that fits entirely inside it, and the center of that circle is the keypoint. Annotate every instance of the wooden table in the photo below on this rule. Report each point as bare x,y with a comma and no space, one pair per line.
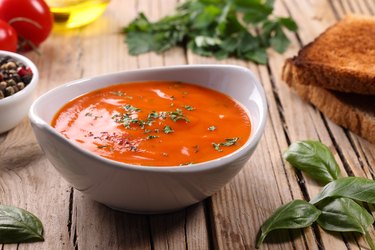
230,219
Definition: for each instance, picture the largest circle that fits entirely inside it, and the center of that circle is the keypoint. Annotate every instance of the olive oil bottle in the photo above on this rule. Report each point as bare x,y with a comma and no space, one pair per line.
75,13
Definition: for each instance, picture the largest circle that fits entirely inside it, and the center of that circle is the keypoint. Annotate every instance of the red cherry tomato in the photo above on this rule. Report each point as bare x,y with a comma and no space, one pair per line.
8,37
32,19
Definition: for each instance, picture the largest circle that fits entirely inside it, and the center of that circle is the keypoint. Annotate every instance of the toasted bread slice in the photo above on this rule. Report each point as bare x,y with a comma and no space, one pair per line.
342,58
353,111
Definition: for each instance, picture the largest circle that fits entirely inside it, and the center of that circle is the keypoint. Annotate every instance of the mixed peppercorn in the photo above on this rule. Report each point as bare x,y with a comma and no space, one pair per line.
14,76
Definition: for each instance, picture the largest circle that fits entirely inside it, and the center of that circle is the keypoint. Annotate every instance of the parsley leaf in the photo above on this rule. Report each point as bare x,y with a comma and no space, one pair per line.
239,28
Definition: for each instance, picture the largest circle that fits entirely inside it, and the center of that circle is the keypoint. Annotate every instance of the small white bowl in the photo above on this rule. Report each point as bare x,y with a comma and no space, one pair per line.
143,189
15,107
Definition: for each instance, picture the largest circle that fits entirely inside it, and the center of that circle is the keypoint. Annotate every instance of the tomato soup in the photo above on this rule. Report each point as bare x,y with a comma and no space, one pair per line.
155,123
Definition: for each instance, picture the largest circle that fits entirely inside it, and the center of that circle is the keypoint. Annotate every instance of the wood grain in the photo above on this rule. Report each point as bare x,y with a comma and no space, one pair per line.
231,218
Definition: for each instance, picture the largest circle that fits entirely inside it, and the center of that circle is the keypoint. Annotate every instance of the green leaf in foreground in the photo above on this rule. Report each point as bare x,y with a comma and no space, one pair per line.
313,158
356,188
293,215
18,225
344,215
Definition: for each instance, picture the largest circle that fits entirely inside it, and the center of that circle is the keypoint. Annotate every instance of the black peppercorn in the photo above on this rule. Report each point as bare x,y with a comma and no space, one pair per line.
14,76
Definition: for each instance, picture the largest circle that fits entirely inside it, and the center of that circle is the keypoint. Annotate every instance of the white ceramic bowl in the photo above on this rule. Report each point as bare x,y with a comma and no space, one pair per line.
15,107
141,189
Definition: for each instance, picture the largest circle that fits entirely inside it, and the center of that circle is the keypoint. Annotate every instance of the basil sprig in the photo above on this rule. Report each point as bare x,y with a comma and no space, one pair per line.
18,225
335,208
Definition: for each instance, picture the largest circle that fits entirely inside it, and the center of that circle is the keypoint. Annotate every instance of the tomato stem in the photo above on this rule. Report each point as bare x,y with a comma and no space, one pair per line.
23,42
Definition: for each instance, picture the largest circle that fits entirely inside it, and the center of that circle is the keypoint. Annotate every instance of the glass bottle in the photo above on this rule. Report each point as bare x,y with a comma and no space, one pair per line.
76,13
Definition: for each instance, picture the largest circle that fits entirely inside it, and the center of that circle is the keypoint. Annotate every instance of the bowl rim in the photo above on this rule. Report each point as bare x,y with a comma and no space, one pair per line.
198,167
29,87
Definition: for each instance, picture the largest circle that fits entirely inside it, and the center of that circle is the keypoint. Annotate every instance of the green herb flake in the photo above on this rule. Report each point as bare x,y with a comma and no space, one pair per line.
187,163
188,107
212,128
168,130
228,142
153,115
152,137
131,108
118,93
178,115
101,146
88,114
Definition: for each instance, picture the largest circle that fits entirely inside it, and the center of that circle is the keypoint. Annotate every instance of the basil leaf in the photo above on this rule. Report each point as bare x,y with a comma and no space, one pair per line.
295,214
344,215
356,188
18,225
313,158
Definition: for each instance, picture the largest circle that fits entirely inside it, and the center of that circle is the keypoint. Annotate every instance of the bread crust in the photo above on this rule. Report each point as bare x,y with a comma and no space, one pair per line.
352,111
342,58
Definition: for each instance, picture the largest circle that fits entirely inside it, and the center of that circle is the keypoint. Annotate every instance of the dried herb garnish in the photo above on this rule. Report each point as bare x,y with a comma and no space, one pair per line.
188,107
152,137
131,108
178,115
228,142
168,130
212,128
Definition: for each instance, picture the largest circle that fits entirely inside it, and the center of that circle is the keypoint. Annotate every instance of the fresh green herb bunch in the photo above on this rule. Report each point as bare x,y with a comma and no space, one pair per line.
220,28
339,206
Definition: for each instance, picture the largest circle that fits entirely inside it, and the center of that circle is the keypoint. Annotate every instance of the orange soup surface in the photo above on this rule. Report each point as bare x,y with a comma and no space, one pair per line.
155,123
